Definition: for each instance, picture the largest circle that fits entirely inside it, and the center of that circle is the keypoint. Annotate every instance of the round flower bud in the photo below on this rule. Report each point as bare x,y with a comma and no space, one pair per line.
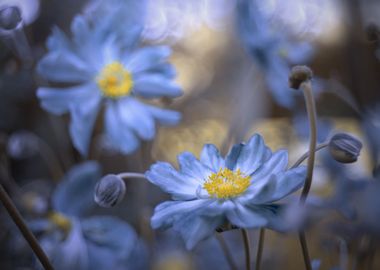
22,144
109,191
298,75
345,148
10,17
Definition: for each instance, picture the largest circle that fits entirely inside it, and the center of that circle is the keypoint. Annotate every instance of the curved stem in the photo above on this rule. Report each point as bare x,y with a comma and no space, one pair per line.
28,235
306,155
226,251
312,114
247,249
305,250
126,175
260,249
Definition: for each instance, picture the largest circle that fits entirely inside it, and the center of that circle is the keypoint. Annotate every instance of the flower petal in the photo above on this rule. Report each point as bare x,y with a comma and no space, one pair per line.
120,136
275,164
134,115
169,180
279,185
246,217
83,117
64,66
154,86
194,228
211,157
233,156
252,155
192,167
58,100
166,213
164,116
147,58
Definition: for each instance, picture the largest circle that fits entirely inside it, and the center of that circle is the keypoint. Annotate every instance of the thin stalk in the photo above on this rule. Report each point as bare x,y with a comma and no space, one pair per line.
260,249
312,115
28,235
306,155
247,249
305,250
226,251
126,175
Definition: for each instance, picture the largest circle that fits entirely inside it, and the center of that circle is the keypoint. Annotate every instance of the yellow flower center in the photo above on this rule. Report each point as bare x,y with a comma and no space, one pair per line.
115,81
226,184
60,221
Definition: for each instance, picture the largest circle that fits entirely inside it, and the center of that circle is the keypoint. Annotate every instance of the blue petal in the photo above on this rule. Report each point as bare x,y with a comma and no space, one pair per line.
246,217
59,101
169,180
275,164
83,118
195,228
164,116
192,167
233,156
64,66
299,53
120,136
135,116
58,40
165,69
167,213
252,155
280,185
147,58
154,86
74,195
211,157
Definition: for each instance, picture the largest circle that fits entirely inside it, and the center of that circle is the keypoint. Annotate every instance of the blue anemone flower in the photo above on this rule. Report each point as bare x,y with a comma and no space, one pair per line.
239,189
101,65
72,240
272,51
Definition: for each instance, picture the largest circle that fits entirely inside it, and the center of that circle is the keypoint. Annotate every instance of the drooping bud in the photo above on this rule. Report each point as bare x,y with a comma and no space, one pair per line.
109,191
10,17
298,75
345,148
22,144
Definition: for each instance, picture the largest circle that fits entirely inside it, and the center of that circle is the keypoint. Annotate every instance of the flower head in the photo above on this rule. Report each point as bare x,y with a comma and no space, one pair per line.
103,66
239,189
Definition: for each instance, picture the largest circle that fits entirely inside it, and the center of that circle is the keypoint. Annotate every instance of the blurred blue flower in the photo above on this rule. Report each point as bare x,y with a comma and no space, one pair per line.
73,241
272,51
239,189
102,66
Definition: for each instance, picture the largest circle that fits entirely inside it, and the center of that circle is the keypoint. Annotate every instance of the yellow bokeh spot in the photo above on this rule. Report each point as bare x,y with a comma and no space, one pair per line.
227,184
115,81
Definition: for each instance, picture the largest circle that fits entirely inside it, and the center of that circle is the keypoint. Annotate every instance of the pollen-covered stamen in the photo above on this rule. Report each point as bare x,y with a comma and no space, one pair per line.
115,81
227,184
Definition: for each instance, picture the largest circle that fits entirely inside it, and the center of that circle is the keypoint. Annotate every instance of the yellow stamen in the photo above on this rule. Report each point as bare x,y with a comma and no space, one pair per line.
60,221
115,81
227,184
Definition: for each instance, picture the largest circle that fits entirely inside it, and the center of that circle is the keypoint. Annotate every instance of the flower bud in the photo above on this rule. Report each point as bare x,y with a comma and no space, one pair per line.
22,144
345,148
10,17
298,75
109,191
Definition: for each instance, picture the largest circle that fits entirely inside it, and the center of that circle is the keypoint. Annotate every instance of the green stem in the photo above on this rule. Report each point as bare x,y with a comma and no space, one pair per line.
247,249
260,249
28,235
226,251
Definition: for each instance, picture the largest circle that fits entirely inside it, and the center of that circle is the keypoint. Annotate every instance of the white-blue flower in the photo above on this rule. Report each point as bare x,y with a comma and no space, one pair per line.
102,65
239,189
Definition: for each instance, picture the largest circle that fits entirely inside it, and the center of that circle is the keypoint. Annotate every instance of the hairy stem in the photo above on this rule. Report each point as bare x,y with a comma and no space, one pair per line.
305,250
